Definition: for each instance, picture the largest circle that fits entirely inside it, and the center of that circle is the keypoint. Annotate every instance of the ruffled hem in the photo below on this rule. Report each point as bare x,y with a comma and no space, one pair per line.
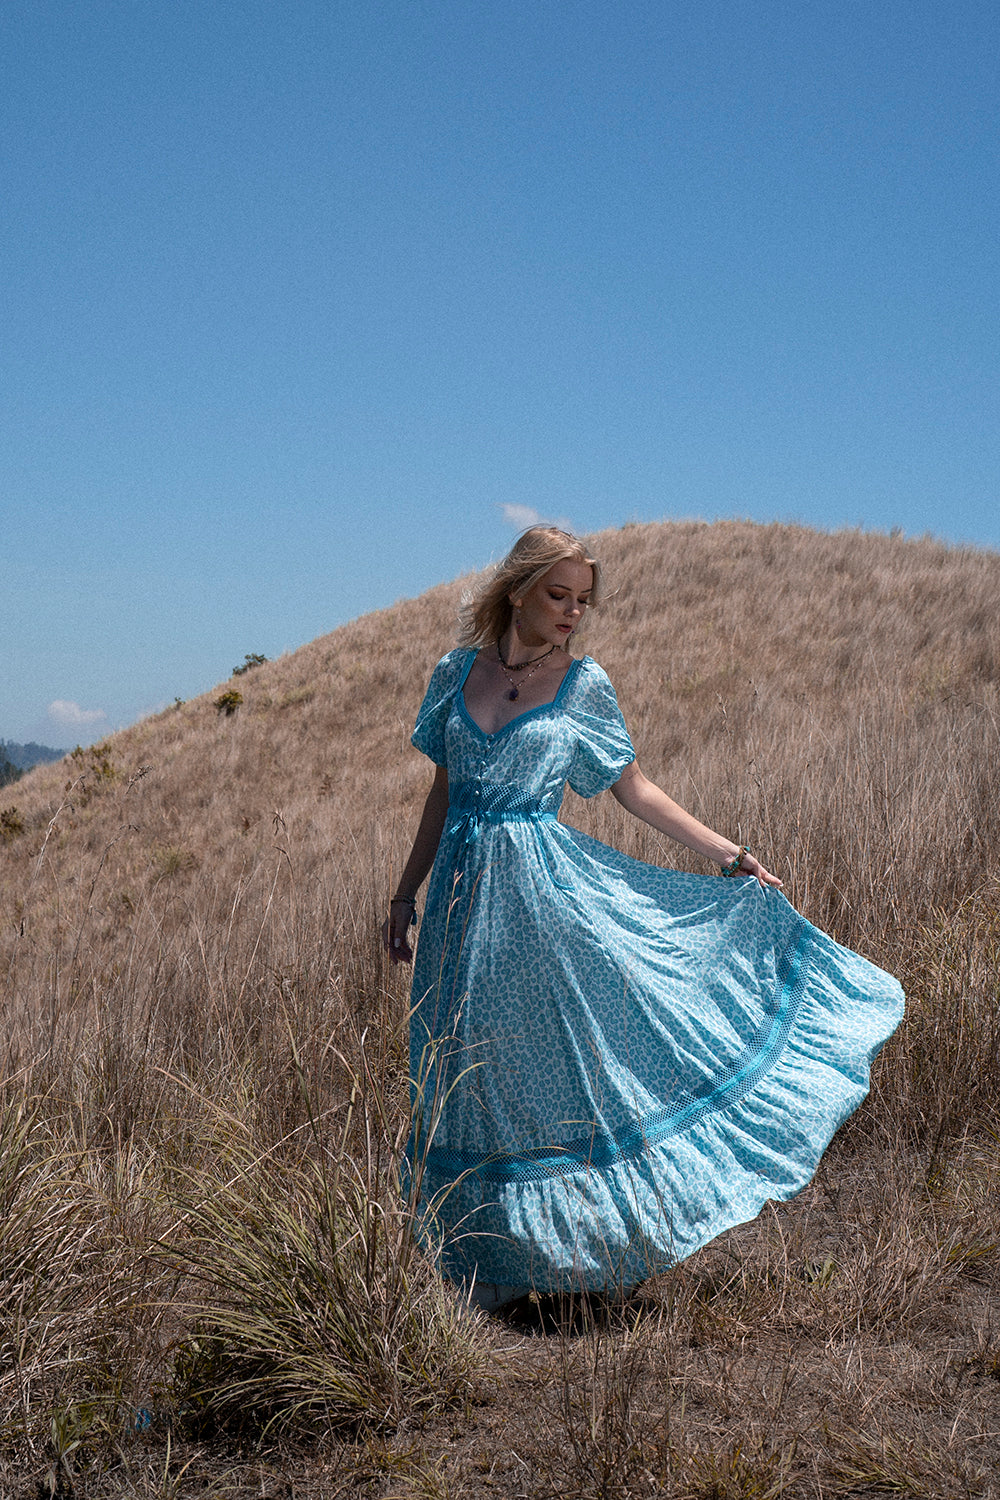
597,1228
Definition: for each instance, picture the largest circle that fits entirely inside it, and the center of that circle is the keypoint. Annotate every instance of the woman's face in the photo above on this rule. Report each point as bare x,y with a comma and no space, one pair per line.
551,610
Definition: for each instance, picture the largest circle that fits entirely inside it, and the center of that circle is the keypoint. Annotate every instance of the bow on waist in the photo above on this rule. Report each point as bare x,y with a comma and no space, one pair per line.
473,803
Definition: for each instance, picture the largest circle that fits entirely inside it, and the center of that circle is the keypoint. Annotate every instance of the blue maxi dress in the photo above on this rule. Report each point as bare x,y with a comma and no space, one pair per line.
612,1062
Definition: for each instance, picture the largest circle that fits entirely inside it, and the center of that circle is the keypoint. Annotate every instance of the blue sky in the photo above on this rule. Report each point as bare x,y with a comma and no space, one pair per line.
308,305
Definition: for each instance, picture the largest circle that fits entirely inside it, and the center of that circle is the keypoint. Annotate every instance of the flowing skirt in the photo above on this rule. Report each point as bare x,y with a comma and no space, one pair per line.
613,1062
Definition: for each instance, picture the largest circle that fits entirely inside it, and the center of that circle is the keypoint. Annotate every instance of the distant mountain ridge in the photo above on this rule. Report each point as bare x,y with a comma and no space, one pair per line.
15,758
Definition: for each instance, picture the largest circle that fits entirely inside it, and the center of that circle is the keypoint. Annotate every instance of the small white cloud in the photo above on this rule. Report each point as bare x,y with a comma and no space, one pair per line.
72,716
520,516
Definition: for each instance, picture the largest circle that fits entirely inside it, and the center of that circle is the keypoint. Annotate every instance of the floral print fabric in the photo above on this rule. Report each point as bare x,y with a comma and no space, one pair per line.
614,1062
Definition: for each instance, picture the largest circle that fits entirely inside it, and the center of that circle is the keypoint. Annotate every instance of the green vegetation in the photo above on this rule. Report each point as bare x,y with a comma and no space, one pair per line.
93,771
172,859
251,660
228,702
15,759
11,824
8,771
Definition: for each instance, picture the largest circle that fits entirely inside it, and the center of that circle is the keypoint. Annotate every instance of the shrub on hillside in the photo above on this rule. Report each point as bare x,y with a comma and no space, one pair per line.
11,824
94,770
228,702
172,859
252,659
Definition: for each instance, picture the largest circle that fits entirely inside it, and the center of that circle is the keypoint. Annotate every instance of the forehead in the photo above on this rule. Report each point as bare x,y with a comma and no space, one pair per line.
575,576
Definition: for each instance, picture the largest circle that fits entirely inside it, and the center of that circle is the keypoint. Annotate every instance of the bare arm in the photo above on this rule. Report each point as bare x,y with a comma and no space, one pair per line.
425,844
644,799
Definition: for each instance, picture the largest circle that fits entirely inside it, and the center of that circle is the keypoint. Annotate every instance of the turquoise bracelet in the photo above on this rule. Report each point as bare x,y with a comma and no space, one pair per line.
736,864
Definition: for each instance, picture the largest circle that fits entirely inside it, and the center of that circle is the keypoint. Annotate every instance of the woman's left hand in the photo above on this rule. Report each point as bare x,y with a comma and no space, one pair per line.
752,866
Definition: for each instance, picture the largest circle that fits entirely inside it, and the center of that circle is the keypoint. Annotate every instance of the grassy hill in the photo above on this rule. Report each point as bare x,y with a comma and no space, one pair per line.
205,1079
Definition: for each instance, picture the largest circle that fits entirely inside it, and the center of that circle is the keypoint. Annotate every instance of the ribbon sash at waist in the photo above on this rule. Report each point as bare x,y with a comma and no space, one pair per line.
473,803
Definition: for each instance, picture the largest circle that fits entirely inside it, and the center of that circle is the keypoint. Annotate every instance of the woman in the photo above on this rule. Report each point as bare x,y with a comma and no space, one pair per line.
612,1062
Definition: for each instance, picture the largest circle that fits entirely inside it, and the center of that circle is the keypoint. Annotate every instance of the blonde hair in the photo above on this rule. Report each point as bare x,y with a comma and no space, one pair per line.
486,611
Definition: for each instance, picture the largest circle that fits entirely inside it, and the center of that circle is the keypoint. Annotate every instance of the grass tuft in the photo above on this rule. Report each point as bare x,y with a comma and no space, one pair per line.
315,1308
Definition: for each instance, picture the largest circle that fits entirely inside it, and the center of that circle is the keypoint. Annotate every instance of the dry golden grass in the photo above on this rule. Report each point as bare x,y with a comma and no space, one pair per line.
204,1244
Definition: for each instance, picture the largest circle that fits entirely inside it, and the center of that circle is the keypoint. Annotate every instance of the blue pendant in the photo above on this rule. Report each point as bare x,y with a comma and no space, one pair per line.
512,694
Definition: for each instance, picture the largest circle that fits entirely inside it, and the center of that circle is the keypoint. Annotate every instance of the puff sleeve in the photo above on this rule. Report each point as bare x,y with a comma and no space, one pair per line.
447,677
603,747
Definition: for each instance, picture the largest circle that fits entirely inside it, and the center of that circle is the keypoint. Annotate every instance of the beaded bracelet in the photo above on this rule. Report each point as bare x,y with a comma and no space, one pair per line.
736,864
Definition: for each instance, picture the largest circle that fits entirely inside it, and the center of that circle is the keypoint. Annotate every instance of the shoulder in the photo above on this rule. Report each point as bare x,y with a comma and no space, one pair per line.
591,671
592,680
449,672
603,746
457,656
446,679
454,662
591,691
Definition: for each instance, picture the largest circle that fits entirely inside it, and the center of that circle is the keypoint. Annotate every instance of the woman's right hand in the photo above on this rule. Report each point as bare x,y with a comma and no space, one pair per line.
395,930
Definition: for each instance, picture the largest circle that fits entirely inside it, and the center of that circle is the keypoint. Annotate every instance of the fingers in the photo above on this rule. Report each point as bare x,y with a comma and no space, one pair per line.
764,878
395,942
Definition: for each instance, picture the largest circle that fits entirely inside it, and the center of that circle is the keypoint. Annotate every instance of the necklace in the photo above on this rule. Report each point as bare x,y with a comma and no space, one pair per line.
507,669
